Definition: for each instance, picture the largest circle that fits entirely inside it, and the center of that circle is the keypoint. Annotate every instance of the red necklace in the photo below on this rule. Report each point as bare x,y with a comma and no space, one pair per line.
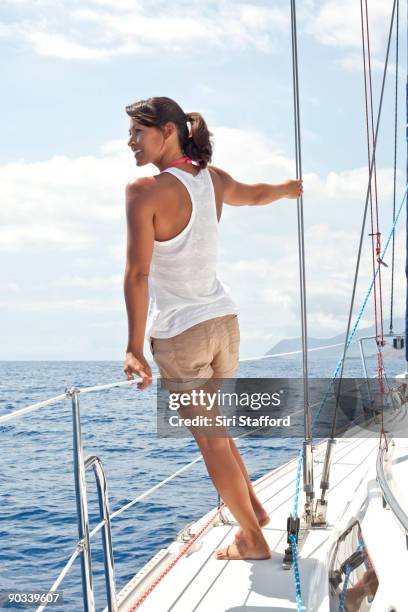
185,159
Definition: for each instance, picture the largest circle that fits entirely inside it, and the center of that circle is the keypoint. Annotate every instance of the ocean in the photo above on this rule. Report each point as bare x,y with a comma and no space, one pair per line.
38,526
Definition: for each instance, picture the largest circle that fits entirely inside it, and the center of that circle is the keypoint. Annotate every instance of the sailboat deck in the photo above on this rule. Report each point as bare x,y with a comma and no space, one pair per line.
196,581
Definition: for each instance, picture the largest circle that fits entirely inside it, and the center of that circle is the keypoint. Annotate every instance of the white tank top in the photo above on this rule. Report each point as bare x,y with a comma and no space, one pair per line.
183,285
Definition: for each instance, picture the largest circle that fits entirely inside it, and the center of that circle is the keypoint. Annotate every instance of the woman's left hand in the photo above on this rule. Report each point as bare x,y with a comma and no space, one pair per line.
135,363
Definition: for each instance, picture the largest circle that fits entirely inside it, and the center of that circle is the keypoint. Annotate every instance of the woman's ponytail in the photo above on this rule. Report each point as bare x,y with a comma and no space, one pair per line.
198,145
157,111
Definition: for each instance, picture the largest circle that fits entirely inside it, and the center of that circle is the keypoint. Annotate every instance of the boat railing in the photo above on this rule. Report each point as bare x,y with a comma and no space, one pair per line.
82,548
363,357
389,498
80,466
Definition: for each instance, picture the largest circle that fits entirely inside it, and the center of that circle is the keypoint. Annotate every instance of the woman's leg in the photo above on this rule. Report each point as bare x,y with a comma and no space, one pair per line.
186,357
224,364
230,481
261,514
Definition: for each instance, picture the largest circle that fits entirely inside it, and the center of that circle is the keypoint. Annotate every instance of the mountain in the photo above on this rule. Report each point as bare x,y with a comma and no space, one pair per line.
295,344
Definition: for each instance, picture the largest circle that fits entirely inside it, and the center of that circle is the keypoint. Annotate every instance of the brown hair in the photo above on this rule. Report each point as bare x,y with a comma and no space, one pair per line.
157,111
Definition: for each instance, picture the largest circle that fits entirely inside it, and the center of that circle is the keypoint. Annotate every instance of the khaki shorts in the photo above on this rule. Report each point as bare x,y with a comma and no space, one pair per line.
207,350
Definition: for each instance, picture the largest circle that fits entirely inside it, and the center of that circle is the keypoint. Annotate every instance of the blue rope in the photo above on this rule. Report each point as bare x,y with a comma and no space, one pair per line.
292,537
299,604
342,598
296,502
362,308
361,546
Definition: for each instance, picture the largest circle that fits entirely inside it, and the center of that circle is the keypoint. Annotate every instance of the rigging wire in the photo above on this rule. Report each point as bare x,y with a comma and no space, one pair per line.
406,231
364,219
395,165
307,475
377,232
369,115
301,246
375,235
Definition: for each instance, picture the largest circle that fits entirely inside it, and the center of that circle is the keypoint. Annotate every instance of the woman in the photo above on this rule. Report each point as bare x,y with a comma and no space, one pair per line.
192,321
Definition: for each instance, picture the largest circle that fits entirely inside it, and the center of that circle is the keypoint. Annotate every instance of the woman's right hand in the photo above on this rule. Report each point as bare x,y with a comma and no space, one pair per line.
135,363
293,189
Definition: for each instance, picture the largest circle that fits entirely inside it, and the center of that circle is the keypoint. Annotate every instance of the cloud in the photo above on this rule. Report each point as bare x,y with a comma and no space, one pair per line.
98,29
88,282
339,24
63,201
351,184
66,235
64,305
56,45
353,63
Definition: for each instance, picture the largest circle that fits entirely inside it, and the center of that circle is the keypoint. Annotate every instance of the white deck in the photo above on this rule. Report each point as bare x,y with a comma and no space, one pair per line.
199,582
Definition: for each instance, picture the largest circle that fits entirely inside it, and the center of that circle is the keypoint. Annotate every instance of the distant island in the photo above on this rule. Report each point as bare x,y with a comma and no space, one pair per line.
295,344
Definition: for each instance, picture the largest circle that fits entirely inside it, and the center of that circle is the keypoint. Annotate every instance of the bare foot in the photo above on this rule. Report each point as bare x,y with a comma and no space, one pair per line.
263,519
242,550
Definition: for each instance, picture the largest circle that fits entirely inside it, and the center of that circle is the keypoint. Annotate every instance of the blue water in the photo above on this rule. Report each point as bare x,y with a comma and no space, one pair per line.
38,529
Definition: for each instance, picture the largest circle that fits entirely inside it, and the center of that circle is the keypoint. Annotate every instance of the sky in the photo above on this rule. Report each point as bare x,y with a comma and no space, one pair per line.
68,70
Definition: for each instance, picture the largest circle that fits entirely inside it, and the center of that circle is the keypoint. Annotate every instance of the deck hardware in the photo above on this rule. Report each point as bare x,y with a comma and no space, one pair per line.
222,519
292,527
335,578
354,561
384,503
350,564
398,342
319,519
185,535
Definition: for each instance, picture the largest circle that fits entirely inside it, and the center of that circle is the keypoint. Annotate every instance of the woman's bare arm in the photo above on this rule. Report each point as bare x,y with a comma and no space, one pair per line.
140,241
241,194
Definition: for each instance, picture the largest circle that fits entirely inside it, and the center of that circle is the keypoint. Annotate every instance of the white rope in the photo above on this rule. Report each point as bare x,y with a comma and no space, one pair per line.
27,409
122,383
318,348
62,575
155,487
